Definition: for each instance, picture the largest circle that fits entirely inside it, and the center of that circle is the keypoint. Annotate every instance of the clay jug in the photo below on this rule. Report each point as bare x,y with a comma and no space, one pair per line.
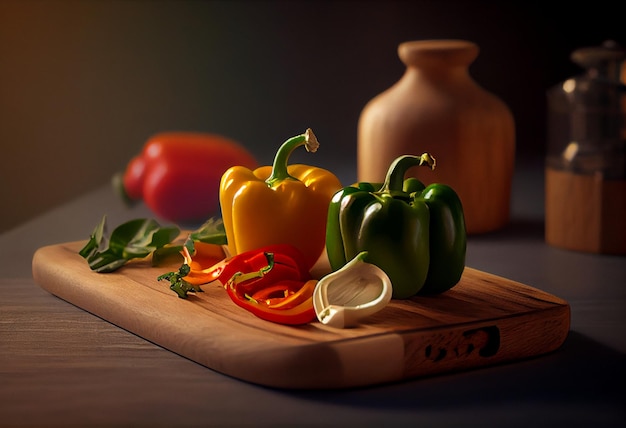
437,107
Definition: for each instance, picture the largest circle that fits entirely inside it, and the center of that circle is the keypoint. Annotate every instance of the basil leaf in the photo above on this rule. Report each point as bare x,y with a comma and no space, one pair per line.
169,253
95,239
211,232
134,239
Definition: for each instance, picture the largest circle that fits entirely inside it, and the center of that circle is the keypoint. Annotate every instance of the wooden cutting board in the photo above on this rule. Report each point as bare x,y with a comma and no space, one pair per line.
484,320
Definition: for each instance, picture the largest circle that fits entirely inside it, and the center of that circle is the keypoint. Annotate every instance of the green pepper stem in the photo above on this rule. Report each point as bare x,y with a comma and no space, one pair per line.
395,175
240,277
279,169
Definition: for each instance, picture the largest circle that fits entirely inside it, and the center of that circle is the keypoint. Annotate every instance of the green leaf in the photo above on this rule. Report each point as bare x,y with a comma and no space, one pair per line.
134,239
141,237
167,254
211,232
95,239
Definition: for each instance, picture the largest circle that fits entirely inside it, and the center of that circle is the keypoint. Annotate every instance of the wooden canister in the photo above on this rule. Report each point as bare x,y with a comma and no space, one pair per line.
585,212
437,107
585,181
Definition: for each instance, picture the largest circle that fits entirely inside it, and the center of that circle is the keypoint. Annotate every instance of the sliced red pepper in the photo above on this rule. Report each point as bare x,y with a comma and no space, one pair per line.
288,263
272,282
294,299
205,265
303,313
284,294
297,308
278,291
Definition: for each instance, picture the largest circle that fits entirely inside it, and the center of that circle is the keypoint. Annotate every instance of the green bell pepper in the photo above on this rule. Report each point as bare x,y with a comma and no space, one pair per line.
416,234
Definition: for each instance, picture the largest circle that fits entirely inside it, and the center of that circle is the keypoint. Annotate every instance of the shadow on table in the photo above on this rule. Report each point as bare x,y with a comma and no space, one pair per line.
582,370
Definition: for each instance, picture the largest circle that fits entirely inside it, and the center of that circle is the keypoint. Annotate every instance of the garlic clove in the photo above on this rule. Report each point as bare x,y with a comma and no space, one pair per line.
344,297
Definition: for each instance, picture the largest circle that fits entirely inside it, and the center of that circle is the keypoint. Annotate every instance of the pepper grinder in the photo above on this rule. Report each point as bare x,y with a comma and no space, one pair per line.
585,181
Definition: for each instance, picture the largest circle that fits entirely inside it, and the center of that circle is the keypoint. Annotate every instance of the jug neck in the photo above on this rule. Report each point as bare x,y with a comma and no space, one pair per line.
438,54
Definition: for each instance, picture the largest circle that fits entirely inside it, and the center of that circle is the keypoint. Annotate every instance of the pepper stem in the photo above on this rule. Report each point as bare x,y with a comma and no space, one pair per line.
279,169
240,277
395,175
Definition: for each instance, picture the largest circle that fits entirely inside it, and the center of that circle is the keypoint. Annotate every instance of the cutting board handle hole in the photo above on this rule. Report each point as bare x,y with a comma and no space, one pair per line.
485,339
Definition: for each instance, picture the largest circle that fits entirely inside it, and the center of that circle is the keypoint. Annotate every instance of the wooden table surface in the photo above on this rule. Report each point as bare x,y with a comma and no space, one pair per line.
62,366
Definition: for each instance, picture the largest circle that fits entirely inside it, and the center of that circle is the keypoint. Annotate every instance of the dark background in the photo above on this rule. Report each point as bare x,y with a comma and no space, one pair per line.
83,84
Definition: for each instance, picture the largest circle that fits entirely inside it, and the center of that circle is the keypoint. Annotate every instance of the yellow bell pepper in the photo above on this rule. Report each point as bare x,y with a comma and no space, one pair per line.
278,204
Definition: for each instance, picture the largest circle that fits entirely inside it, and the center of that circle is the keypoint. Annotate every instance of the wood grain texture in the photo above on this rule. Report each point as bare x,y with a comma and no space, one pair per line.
484,320
585,212
62,367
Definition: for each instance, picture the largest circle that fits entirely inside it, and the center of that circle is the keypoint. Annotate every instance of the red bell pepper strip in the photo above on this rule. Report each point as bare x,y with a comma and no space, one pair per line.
295,298
287,263
272,282
296,309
